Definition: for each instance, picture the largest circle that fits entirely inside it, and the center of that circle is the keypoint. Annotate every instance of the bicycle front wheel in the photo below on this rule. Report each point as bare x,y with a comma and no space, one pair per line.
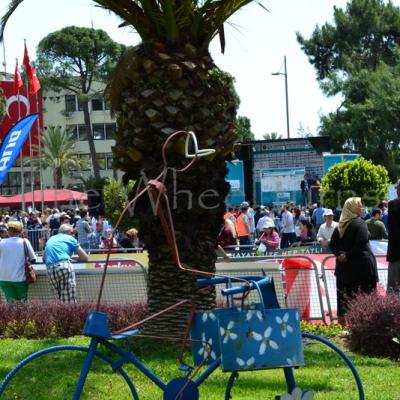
53,373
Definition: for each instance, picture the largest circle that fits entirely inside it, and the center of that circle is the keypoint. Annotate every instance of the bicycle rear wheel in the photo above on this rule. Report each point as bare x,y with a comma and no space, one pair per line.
53,373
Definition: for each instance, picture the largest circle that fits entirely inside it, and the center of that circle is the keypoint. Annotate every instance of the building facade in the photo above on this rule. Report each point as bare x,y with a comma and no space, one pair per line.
63,110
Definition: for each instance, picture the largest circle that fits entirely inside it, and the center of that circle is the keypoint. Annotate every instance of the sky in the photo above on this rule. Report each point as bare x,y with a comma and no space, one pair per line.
256,43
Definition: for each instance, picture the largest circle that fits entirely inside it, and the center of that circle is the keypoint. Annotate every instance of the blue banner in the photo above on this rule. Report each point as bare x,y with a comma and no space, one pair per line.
13,143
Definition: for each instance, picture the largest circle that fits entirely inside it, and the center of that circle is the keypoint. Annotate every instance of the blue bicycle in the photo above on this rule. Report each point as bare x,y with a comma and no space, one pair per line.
238,337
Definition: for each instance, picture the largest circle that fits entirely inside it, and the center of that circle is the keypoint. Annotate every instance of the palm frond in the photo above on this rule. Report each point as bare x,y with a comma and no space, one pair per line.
130,12
174,22
11,8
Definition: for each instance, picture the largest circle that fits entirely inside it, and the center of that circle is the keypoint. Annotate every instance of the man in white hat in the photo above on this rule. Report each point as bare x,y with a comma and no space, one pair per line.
326,229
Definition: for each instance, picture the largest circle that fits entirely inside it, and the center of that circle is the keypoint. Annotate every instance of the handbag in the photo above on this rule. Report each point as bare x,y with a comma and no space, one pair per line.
30,274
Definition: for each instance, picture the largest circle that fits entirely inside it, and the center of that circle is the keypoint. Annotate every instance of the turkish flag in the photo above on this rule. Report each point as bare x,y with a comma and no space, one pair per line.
19,107
27,64
17,80
35,84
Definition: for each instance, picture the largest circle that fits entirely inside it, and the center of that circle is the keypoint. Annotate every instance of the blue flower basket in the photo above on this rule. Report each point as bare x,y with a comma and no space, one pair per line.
254,339
205,332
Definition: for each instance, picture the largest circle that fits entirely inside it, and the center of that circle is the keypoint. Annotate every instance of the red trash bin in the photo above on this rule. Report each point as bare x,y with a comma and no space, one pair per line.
298,284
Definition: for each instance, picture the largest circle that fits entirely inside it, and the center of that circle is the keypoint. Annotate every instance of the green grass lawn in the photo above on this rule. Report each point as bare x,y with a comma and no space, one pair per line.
52,377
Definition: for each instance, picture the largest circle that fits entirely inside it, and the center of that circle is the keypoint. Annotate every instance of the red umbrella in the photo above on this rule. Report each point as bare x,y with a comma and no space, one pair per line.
50,196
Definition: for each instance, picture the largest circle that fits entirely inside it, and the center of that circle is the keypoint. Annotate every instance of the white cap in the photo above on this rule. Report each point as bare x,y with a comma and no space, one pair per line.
328,212
268,224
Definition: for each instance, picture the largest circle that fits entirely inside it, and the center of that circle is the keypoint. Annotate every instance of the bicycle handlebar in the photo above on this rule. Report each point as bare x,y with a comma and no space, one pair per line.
244,288
219,280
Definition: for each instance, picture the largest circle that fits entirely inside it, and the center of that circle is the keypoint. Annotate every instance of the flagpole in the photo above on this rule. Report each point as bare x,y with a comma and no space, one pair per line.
20,153
4,58
30,142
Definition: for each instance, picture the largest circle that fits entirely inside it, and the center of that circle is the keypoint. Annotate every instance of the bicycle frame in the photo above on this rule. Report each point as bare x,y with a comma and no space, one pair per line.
96,327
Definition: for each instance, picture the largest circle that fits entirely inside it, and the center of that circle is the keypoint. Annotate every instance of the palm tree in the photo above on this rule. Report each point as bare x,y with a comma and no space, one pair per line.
169,82
58,154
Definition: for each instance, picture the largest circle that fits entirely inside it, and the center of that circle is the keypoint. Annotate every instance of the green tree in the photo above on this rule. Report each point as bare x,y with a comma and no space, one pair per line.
116,198
360,178
243,129
368,120
59,155
272,136
363,35
169,82
73,59
358,57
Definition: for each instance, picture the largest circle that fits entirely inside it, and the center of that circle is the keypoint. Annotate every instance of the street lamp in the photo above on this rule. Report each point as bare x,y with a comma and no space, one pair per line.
286,92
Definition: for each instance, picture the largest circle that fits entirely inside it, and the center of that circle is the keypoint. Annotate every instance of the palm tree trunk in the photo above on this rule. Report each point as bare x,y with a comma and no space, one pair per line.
92,148
163,94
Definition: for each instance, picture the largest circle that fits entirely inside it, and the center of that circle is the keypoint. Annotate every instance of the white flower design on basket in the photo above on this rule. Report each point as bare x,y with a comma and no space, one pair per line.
206,349
253,312
293,360
247,363
285,327
266,341
208,314
297,394
227,333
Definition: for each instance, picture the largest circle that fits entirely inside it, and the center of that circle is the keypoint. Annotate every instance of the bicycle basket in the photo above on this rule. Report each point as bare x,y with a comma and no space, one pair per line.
204,332
260,340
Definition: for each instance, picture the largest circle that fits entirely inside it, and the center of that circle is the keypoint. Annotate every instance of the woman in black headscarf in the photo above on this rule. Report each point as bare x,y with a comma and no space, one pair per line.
356,269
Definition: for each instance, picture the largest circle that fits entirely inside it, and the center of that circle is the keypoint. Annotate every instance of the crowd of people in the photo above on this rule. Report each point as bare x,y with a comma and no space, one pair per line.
92,233
62,236
59,237
288,225
346,233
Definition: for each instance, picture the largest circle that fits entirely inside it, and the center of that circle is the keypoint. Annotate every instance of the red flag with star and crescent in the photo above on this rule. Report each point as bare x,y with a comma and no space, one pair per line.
19,107
35,84
27,64
30,72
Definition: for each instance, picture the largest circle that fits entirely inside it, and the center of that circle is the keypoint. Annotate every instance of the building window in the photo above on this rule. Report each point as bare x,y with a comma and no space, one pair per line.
107,104
70,103
98,131
109,157
101,159
97,103
82,132
73,129
14,179
110,131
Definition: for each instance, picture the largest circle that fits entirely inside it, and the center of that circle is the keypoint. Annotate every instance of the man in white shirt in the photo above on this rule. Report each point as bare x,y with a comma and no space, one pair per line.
326,229
261,222
287,228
